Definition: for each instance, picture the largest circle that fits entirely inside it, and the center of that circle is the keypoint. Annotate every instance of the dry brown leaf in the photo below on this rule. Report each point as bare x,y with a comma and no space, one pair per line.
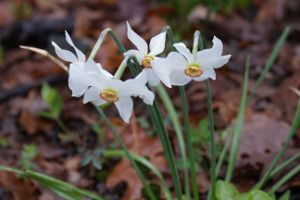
19,189
262,138
149,147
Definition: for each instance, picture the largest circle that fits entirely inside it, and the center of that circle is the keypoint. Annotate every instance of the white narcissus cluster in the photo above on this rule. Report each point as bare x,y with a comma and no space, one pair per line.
88,79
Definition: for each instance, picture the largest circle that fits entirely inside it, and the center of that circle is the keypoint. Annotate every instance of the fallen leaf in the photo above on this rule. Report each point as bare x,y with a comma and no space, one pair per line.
262,138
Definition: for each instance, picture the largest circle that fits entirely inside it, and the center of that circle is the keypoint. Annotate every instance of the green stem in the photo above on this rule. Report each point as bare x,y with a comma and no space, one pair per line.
222,155
284,179
154,112
212,143
239,125
146,163
121,68
162,133
128,155
285,164
293,131
171,110
189,143
62,125
177,127
118,43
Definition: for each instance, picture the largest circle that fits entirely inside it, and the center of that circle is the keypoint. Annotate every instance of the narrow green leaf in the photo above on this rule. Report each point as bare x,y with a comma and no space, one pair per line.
239,124
278,46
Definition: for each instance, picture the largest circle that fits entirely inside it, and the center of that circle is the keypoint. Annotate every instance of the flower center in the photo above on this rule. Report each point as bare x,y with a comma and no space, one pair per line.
193,70
146,62
110,95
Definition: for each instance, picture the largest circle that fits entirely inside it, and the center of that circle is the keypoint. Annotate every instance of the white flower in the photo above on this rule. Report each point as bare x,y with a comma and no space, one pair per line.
145,57
104,88
77,63
68,55
184,66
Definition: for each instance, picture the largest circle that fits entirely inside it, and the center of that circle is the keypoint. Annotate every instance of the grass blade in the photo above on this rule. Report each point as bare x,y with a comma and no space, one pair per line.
146,163
239,125
128,155
293,131
278,46
177,127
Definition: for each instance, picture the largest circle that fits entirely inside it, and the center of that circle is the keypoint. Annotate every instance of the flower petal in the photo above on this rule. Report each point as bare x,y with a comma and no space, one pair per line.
179,78
93,95
176,64
157,44
181,48
216,62
207,54
78,81
125,106
208,73
80,55
137,87
139,42
64,54
153,79
133,52
162,70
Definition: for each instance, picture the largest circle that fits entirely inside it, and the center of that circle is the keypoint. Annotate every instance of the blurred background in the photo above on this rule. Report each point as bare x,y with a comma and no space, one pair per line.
69,147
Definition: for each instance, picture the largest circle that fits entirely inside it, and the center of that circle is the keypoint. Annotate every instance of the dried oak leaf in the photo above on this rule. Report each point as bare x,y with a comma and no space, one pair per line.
262,138
19,189
144,145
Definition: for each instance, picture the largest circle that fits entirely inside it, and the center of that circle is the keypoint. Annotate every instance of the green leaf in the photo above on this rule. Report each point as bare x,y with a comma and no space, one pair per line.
86,160
225,191
53,99
97,163
259,195
47,114
61,188
28,153
285,196
278,46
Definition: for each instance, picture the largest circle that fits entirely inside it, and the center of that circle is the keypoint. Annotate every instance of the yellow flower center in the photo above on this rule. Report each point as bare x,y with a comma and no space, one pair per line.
146,62
193,70
110,95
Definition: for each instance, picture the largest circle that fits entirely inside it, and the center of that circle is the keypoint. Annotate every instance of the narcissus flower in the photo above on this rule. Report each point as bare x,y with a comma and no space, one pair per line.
184,66
103,88
145,57
77,63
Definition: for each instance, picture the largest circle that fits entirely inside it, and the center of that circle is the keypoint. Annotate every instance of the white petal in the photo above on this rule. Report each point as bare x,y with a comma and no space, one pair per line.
162,70
153,79
125,106
139,42
133,52
179,78
175,61
137,87
80,55
208,73
176,64
93,95
157,44
215,51
215,62
181,48
92,66
141,79
78,81
64,54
